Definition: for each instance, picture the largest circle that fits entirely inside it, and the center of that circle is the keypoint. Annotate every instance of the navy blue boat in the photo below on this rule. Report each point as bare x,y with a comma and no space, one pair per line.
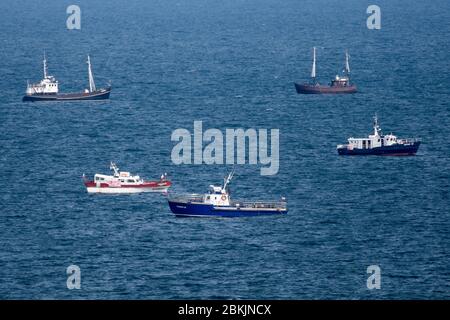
47,89
379,144
217,203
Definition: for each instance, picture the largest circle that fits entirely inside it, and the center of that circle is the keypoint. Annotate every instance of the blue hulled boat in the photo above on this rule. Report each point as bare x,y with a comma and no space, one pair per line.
217,203
379,144
48,89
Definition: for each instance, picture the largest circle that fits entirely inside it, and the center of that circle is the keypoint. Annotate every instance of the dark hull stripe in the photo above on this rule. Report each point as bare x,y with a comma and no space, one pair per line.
69,96
397,150
312,89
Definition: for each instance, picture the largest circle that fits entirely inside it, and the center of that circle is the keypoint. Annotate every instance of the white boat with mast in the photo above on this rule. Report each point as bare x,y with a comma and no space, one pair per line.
48,88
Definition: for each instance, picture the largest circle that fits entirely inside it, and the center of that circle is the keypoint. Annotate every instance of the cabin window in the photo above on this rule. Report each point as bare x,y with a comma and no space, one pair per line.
130,180
208,197
364,144
97,178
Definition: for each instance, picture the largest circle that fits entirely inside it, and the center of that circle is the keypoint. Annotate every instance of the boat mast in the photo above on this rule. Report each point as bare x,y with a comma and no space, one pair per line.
227,180
376,127
91,76
45,66
115,168
313,71
347,64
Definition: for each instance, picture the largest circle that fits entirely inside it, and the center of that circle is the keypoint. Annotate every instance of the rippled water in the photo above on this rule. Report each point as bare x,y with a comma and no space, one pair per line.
232,65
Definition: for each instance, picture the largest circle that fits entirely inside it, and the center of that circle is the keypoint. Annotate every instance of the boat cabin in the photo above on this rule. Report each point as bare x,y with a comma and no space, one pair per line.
119,177
372,142
122,179
340,81
217,196
375,140
48,85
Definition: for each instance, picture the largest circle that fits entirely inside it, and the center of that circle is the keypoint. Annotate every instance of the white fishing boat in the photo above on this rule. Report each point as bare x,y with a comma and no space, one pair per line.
124,182
48,89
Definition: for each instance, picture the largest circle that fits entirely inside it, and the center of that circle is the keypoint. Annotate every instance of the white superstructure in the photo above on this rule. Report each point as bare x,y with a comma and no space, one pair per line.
119,177
48,85
217,195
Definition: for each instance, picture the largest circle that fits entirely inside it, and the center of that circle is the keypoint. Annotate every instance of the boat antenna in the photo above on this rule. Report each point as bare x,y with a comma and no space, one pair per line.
91,76
115,168
313,70
227,180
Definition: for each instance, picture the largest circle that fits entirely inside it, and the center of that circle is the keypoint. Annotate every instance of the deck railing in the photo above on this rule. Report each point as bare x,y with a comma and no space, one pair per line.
259,204
185,197
408,140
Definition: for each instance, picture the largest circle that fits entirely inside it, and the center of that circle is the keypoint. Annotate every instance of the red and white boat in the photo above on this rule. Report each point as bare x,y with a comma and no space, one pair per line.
124,182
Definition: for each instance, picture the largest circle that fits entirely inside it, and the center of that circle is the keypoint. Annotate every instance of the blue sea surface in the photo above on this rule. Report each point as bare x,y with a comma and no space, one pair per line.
230,64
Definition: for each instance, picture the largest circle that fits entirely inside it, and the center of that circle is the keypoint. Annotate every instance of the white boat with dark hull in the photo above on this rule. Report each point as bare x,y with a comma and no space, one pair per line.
48,89
124,182
379,144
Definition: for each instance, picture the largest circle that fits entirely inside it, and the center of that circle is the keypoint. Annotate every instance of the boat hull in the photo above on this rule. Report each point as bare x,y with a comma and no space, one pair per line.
102,94
319,89
395,150
183,209
151,186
